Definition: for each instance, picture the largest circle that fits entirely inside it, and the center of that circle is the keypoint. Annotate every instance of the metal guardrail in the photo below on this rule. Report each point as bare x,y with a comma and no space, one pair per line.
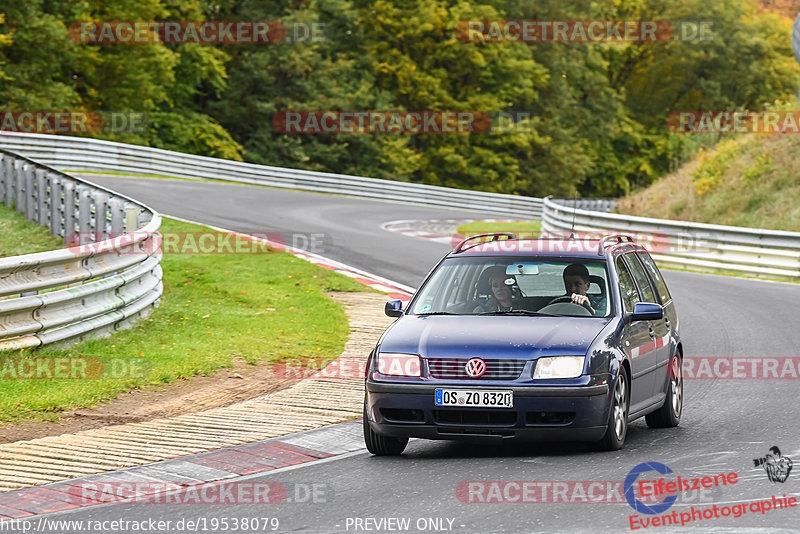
92,288
687,245
673,243
79,153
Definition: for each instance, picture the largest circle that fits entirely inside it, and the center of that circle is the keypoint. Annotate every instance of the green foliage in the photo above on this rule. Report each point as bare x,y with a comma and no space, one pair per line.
47,70
714,165
763,165
5,40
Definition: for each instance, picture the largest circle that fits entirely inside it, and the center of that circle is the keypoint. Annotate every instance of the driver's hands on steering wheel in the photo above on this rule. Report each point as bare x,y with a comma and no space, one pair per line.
583,300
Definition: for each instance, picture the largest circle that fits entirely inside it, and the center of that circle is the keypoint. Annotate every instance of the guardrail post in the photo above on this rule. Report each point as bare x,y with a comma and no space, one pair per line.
9,180
117,208
100,214
19,189
30,192
3,161
56,205
69,209
44,196
85,213
131,219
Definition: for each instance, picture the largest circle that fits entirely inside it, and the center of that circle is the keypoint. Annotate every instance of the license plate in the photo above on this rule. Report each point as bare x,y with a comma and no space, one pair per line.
474,398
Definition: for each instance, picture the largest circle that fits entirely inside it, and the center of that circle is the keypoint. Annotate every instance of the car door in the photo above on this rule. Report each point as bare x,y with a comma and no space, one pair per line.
635,338
659,331
670,314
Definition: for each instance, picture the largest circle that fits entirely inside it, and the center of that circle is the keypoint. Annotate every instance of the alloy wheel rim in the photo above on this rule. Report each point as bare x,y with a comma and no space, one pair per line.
677,387
620,408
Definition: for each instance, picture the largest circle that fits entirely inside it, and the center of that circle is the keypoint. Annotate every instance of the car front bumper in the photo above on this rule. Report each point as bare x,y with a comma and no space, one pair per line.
541,413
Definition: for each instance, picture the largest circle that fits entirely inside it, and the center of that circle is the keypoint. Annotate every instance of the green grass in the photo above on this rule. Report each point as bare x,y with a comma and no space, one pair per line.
730,273
523,229
161,176
210,180
258,307
20,236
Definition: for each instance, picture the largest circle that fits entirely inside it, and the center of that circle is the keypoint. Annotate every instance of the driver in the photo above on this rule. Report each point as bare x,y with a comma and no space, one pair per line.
576,284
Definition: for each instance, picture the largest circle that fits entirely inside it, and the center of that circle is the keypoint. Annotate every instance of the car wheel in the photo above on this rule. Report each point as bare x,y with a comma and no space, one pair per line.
379,444
618,414
669,415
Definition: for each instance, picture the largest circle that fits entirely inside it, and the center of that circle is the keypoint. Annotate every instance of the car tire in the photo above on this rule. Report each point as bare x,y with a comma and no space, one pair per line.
617,429
381,445
669,415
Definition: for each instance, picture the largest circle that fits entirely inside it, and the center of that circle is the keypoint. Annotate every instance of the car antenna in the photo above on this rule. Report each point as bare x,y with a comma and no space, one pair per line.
574,209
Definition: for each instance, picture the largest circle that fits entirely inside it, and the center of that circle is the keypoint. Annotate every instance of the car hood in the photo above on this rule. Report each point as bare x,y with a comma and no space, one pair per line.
491,337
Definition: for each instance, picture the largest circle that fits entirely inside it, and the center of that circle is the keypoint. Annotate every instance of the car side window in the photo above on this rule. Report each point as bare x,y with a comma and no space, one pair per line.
626,286
648,295
655,274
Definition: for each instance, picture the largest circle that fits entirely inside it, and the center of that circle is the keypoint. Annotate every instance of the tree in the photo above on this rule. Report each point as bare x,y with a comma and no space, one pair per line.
47,70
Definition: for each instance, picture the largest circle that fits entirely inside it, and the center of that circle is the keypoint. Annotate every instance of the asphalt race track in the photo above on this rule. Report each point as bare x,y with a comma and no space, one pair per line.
726,424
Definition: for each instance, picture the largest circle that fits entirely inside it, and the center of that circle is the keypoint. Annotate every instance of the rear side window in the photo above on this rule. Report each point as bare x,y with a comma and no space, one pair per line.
626,286
655,274
648,295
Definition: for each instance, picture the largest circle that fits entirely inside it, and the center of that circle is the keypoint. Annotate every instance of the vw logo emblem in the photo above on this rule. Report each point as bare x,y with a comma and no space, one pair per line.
475,367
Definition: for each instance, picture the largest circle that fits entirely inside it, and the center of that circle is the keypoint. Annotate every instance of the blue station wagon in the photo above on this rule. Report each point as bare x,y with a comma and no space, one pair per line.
543,339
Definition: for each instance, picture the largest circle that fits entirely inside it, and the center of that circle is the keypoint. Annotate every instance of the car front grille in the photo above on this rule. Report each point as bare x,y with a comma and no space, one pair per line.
475,417
454,368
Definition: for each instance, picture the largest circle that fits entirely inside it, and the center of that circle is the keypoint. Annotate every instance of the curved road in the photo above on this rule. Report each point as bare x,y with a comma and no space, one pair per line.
726,423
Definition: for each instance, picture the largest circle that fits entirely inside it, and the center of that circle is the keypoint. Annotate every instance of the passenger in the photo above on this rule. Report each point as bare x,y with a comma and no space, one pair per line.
502,298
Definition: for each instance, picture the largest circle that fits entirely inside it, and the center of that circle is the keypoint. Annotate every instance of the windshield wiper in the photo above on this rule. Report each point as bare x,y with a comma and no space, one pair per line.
437,313
520,312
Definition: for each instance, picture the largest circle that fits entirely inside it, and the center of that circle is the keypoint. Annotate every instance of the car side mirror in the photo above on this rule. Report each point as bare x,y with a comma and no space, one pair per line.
394,308
646,311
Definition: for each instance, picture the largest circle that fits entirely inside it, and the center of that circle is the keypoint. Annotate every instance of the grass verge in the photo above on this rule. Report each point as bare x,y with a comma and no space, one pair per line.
20,236
523,229
258,307
747,180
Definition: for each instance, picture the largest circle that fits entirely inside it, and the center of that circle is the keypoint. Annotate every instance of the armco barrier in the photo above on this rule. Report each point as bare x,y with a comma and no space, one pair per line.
84,154
751,251
77,291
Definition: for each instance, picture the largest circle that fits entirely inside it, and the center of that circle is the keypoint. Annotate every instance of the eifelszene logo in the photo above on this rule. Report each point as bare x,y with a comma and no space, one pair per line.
777,467
630,485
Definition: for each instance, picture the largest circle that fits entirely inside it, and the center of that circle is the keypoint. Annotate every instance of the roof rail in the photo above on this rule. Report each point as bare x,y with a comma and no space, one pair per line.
495,237
616,238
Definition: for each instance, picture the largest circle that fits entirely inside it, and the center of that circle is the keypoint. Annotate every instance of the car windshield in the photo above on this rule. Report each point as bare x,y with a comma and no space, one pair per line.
515,286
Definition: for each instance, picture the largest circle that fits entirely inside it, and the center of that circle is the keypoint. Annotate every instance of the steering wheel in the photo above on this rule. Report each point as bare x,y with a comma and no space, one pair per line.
568,299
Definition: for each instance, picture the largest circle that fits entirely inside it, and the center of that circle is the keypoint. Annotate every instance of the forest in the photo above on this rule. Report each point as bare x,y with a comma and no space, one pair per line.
554,104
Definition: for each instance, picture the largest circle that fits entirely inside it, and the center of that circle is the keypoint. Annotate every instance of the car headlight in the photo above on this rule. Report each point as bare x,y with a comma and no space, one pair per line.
559,367
394,364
